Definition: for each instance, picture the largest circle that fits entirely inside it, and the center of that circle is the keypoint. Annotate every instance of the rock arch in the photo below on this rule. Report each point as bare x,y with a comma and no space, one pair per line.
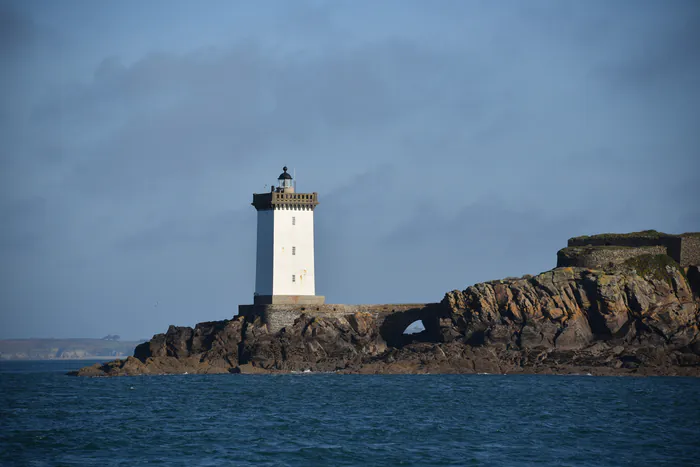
395,323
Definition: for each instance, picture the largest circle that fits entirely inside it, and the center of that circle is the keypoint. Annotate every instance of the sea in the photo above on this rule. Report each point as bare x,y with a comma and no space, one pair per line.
308,419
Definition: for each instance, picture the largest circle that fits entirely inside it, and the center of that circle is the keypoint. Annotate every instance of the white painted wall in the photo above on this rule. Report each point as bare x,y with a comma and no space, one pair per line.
264,257
285,264
278,239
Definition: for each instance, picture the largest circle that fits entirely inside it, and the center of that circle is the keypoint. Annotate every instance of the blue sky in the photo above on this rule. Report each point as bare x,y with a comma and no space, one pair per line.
450,142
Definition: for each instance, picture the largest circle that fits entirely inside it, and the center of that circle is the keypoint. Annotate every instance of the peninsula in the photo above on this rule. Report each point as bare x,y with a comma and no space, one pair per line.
616,304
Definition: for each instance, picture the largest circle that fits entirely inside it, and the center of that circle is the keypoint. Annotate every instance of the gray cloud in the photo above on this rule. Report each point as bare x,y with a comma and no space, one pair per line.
448,146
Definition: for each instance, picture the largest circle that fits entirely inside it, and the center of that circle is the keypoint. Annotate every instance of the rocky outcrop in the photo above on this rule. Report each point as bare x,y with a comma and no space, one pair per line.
571,308
210,347
639,318
320,344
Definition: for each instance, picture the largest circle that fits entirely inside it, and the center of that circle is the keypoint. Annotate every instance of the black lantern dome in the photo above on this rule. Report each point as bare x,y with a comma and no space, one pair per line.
284,175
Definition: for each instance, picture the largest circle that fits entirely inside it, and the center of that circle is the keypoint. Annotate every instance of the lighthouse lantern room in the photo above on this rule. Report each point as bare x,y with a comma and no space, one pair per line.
285,245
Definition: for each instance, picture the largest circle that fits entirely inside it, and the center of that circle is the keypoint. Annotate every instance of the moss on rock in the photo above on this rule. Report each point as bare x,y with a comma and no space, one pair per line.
655,266
617,236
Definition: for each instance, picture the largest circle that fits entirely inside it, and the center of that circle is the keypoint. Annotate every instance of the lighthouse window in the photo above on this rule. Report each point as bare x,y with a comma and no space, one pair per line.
294,250
294,221
294,278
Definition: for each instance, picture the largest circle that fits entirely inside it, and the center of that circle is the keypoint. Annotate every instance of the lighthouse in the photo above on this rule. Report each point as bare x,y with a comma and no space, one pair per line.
284,272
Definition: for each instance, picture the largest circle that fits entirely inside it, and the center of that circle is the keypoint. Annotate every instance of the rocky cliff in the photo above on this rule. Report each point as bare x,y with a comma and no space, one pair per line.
640,317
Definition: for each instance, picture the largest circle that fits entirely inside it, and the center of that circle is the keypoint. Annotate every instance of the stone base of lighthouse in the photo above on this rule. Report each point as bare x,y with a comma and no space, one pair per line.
289,300
396,316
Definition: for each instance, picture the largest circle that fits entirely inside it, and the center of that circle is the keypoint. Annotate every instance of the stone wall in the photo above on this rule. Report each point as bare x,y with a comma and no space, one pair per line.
596,257
392,319
684,249
690,250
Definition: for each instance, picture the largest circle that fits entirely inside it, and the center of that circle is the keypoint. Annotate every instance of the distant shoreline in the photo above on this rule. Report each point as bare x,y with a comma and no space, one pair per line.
65,349
96,357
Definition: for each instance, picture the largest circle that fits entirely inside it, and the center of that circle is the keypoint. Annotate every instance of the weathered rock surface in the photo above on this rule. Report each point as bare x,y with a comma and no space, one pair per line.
210,347
570,308
627,320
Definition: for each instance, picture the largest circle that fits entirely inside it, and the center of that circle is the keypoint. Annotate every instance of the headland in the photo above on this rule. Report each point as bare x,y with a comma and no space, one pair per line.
616,304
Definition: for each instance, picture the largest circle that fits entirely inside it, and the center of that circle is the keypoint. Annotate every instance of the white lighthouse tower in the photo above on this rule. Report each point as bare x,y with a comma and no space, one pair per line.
285,257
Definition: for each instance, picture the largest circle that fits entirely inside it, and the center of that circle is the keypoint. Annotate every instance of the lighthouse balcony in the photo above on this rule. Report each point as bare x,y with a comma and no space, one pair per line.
275,200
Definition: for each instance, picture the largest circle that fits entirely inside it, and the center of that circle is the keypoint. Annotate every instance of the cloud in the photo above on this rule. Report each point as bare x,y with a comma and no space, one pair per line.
20,220
656,53
448,145
188,230
17,31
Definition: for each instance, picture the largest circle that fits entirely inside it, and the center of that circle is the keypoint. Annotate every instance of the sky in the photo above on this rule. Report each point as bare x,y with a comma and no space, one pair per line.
450,142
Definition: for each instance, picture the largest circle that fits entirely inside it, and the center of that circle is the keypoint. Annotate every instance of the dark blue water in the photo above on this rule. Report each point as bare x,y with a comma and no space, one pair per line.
47,418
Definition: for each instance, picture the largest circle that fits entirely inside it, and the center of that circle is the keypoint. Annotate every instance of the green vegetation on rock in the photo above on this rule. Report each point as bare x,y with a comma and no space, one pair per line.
617,236
654,266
